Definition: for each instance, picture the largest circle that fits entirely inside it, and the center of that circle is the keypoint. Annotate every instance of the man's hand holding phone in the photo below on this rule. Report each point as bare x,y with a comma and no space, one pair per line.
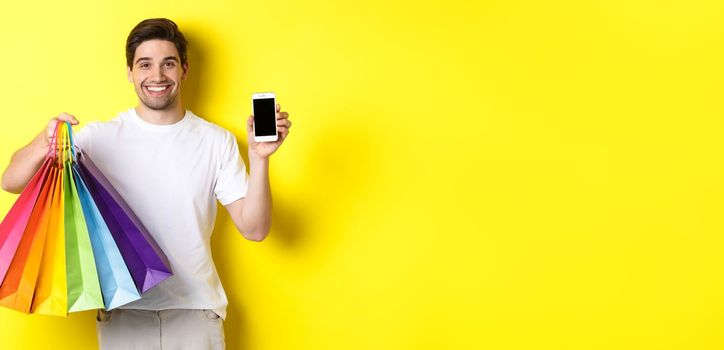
268,127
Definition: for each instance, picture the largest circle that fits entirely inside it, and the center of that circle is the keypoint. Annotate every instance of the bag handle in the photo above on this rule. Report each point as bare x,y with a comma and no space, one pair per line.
62,145
53,146
73,153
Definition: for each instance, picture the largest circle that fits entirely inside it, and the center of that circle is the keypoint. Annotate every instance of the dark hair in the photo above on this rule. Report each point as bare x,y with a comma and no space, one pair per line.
155,28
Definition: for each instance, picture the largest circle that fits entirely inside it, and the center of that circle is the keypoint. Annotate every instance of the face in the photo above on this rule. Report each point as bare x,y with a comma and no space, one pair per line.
157,74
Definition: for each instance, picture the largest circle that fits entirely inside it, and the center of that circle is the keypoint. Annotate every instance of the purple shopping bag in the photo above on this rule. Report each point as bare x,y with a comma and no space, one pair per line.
143,257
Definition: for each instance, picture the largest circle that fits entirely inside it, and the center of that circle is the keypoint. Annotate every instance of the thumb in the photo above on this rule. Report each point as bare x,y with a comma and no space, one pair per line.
250,124
50,130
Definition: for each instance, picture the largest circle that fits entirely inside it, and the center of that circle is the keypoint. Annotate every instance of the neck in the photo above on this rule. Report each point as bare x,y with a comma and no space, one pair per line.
171,115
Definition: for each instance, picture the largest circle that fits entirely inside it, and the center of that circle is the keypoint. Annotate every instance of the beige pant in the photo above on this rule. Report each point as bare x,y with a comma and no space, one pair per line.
160,330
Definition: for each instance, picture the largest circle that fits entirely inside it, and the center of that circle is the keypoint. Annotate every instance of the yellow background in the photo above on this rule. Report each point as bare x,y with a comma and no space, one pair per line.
460,174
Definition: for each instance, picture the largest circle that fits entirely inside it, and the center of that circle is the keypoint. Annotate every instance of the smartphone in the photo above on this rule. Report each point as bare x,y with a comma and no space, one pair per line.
265,120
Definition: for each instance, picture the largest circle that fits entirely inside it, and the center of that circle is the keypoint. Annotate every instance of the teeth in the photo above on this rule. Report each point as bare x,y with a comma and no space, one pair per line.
156,88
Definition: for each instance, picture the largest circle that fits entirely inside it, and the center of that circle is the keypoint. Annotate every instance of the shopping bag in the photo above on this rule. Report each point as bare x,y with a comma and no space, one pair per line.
143,257
17,289
84,290
51,294
15,222
70,242
116,282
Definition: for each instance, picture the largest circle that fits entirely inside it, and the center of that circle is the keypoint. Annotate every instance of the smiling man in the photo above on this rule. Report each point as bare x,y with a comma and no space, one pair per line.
171,166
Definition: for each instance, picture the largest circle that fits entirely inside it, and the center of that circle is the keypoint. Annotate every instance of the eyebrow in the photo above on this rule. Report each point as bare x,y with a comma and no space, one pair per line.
172,58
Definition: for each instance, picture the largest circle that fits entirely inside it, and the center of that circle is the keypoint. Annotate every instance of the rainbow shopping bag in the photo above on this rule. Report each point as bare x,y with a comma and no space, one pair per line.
70,242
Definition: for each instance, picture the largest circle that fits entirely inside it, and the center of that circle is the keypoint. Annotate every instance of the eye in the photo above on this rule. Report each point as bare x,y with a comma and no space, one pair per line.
170,64
145,65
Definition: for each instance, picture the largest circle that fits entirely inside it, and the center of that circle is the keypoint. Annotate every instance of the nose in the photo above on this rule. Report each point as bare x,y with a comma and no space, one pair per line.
157,74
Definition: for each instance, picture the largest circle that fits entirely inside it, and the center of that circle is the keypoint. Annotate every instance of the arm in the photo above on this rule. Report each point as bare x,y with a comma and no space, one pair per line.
26,161
252,215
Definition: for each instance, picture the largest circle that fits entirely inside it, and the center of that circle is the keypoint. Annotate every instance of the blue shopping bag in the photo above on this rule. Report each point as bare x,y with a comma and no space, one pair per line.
117,285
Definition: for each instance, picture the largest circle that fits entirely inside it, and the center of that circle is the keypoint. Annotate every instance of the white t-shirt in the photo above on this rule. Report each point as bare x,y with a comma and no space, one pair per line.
171,177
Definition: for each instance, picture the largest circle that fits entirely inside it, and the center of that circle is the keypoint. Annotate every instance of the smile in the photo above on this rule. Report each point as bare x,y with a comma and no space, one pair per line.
157,90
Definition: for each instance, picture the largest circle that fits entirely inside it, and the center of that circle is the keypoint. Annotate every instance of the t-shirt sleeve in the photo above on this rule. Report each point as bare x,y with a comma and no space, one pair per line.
232,181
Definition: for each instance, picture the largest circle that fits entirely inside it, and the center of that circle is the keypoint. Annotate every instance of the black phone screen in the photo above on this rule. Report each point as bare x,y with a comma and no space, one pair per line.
264,117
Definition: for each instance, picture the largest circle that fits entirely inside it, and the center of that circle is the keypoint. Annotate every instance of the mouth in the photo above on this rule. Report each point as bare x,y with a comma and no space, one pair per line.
157,90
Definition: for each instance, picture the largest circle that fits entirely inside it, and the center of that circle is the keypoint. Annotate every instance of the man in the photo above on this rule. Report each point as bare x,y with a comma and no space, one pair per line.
170,166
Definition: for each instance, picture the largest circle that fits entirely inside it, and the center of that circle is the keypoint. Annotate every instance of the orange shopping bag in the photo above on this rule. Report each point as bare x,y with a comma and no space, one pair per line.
51,297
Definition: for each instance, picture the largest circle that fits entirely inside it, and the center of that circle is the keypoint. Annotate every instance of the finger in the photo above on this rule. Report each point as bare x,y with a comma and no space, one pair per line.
50,130
282,115
283,133
250,124
279,108
52,124
282,129
69,120
284,122
65,117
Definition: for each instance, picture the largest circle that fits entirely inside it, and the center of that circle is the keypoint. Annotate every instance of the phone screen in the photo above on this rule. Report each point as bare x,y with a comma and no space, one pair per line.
264,117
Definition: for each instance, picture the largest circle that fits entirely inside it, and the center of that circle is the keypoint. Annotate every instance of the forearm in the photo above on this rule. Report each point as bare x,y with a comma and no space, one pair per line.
24,163
252,214
257,210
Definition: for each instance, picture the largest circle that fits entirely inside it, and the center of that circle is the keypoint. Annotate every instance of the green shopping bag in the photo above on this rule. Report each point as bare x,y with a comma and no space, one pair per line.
84,289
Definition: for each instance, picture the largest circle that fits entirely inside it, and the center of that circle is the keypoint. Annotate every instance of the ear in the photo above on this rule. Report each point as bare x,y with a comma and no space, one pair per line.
129,73
185,67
